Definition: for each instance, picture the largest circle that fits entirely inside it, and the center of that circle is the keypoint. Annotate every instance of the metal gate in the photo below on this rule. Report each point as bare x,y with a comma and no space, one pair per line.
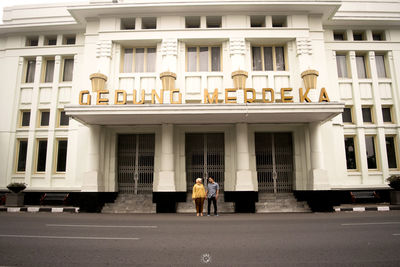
274,159
135,163
205,157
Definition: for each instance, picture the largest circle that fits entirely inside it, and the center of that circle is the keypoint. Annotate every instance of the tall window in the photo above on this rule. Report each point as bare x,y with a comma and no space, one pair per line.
139,60
30,71
41,155
44,118
49,73
380,66
391,151
61,155
63,120
22,147
25,118
367,114
346,115
68,69
268,58
370,149
387,114
341,63
204,58
361,70
350,153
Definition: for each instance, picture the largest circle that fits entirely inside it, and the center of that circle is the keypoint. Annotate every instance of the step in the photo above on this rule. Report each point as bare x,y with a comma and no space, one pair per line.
128,203
283,202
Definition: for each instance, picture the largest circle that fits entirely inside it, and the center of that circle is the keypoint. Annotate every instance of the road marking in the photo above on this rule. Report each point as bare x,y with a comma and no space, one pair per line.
71,237
101,226
378,223
396,234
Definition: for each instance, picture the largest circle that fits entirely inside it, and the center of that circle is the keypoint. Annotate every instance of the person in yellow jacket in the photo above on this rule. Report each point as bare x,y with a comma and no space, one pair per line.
198,196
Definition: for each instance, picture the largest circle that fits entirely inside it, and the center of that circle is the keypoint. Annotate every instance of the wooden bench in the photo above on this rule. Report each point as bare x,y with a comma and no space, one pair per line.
54,198
363,195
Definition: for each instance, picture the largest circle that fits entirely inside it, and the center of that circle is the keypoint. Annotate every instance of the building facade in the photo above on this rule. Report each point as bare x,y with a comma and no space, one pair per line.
108,98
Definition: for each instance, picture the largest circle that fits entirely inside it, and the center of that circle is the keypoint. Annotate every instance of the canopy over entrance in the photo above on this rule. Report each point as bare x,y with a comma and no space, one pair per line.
205,113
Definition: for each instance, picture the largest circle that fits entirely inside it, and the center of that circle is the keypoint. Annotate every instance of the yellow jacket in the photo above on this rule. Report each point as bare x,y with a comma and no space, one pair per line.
198,191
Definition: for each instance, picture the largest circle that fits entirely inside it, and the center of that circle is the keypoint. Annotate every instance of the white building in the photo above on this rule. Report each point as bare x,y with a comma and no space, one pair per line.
137,137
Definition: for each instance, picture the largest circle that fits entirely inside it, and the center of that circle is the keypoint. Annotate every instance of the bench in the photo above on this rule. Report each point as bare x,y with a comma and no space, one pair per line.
54,198
2,199
363,195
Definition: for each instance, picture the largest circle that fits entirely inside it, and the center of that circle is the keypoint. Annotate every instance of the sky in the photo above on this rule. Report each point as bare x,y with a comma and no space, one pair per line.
4,3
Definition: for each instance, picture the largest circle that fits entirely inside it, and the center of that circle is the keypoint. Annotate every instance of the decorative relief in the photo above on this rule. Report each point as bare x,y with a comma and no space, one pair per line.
371,55
103,48
304,46
58,60
352,55
390,55
237,46
169,47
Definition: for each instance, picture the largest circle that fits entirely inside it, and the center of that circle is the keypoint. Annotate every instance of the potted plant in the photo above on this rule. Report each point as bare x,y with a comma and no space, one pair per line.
394,182
16,197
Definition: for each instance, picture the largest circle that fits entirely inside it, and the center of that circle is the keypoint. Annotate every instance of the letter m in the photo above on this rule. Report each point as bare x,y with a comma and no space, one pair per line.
214,98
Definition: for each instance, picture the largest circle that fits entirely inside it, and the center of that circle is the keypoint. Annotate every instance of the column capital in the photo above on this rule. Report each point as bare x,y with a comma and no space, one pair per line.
169,47
304,46
103,48
237,46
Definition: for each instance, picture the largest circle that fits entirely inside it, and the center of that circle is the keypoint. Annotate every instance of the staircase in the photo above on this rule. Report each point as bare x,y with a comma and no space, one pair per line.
282,202
129,203
189,207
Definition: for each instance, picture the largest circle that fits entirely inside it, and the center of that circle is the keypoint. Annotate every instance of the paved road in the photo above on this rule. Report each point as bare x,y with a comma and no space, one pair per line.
321,239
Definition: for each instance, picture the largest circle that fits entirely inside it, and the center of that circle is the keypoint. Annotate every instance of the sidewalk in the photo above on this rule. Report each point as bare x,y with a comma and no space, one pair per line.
366,207
54,209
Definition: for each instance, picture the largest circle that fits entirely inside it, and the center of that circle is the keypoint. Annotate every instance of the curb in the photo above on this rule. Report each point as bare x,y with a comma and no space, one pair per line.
380,208
38,209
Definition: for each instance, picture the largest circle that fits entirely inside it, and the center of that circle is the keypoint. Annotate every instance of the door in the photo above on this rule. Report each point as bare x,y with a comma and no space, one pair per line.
135,163
205,157
274,161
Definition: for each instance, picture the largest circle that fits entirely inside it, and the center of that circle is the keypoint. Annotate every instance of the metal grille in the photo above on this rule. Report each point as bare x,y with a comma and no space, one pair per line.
274,159
135,163
205,157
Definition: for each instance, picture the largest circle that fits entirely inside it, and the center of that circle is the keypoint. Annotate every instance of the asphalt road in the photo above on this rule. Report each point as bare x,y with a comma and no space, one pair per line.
319,239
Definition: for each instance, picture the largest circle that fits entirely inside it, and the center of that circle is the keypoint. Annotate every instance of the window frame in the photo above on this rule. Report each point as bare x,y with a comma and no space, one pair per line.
27,68
21,114
59,119
385,65
351,115
354,137
36,161
396,151
371,110
134,59
17,154
56,155
375,150
273,48
366,67
63,69
390,107
39,119
209,58
44,70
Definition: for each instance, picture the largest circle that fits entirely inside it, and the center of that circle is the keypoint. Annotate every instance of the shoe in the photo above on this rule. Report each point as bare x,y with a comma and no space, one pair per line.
216,215
208,215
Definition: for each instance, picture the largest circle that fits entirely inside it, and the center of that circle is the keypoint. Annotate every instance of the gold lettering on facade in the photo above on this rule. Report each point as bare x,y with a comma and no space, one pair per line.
323,96
304,96
160,98
230,99
214,98
253,92
171,96
142,97
286,98
82,94
100,100
116,98
272,94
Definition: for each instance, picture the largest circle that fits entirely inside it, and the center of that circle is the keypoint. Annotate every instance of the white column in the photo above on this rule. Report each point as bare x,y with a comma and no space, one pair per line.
244,181
92,177
318,172
167,171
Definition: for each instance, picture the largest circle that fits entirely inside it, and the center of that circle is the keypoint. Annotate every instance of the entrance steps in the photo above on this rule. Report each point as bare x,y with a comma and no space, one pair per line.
189,207
129,203
281,202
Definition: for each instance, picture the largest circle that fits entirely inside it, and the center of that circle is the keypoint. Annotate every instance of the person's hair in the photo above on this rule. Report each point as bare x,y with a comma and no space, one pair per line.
212,177
199,180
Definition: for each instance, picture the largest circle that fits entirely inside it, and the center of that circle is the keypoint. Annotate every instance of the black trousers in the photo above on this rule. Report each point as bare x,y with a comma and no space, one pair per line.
214,201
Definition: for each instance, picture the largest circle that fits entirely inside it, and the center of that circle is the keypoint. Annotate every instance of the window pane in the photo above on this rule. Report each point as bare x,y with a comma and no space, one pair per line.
128,60
151,60
257,63
203,59
68,69
341,66
192,59
380,66
346,115
30,71
41,158
371,156
215,59
386,114
268,62
391,152
361,72
350,153
44,119
49,71
64,119
366,112
139,60
23,146
280,58
62,155
26,117
338,36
